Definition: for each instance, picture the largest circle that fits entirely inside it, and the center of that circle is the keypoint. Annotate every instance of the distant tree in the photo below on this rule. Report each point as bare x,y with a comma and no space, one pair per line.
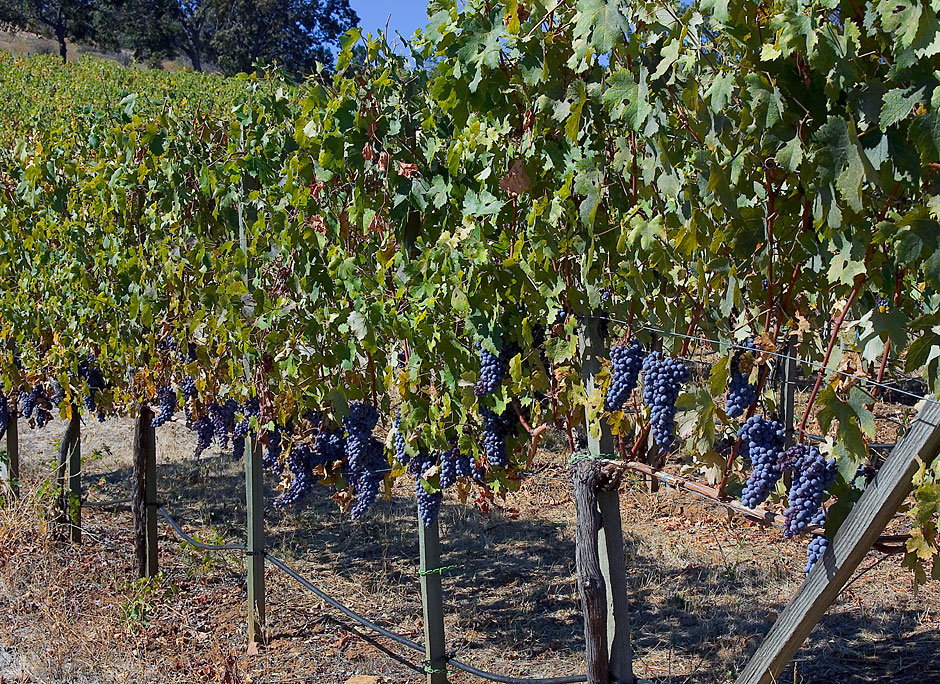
75,20
164,29
238,34
295,34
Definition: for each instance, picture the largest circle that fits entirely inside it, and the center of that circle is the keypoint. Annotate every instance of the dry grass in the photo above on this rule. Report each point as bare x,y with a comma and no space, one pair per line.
704,588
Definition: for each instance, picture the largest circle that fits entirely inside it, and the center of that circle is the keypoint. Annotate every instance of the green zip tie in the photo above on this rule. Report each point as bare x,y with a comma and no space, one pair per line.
437,571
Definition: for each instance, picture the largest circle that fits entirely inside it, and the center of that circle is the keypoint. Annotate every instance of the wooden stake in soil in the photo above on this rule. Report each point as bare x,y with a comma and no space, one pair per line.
603,632
144,506
13,453
787,403
432,599
868,518
68,524
600,537
254,485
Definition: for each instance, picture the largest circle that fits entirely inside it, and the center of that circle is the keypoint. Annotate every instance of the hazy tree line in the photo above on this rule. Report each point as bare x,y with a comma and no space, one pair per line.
233,35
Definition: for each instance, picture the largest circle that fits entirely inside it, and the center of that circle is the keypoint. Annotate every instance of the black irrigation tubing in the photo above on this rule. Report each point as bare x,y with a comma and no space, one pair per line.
195,542
816,364
106,504
405,641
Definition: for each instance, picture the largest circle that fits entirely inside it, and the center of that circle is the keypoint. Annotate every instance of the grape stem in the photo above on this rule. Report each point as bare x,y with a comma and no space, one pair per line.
837,326
884,356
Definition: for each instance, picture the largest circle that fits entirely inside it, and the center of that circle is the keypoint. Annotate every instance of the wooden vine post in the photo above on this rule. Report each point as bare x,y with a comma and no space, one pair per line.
787,399
599,539
786,405
432,599
855,537
254,486
144,506
68,524
13,453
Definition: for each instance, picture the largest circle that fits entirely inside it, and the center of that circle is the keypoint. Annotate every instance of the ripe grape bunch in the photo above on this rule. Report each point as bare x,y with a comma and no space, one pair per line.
449,466
763,442
496,428
4,414
365,456
493,368
401,447
741,393
816,549
223,419
188,386
813,475
627,360
204,432
166,406
271,458
429,503
88,370
36,406
300,463
251,409
662,380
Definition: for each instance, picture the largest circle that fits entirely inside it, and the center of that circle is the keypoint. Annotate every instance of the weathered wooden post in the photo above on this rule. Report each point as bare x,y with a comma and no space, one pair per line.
68,524
787,396
144,506
432,599
13,450
254,486
599,538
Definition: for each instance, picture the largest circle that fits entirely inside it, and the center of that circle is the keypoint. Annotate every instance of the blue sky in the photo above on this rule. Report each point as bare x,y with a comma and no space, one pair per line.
406,15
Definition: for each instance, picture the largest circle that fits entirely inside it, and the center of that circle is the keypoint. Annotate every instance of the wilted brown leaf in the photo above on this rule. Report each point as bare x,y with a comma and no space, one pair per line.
517,181
407,170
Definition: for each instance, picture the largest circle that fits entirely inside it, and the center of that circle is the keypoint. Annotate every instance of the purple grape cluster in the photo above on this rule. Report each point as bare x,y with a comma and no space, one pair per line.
271,458
300,462
463,463
204,433
188,387
365,456
816,550
627,360
223,420
493,368
813,475
496,428
4,414
763,442
166,406
429,503
741,393
36,406
251,409
448,468
662,380
88,371
401,447
27,404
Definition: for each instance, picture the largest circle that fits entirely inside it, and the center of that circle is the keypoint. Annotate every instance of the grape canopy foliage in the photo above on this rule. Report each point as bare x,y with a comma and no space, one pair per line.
700,167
